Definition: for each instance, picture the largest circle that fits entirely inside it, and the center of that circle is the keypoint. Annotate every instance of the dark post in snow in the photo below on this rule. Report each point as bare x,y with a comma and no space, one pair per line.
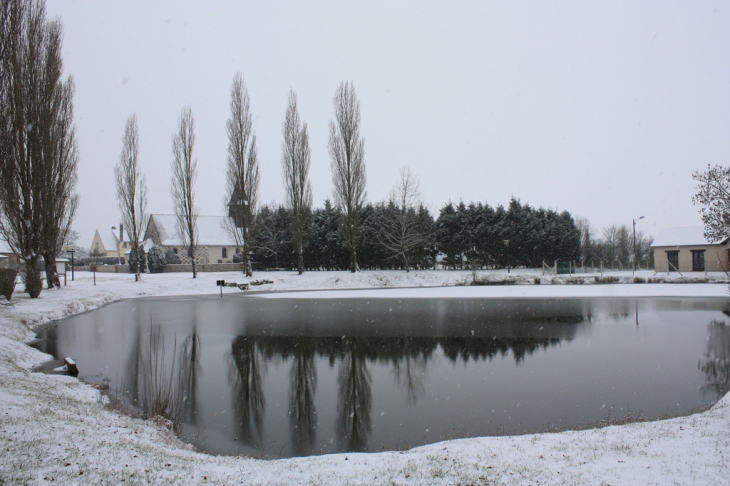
633,264
506,243
71,251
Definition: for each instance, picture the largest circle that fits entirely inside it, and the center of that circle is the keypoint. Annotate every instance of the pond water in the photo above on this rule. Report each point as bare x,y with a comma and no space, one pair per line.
289,377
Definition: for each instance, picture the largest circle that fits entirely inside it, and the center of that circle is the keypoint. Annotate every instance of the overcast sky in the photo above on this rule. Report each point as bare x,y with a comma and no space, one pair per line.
601,108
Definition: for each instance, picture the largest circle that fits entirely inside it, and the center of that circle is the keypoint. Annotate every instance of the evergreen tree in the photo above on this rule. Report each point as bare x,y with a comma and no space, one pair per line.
156,260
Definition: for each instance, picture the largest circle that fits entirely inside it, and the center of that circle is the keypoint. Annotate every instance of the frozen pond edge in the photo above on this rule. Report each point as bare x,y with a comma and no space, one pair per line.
47,422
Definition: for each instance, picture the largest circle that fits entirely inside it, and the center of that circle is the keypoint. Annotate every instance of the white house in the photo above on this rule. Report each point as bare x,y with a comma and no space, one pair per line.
7,257
214,242
687,250
110,244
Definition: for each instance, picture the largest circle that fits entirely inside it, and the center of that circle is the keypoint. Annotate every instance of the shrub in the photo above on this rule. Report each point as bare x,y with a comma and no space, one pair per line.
639,280
135,262
156,260
171,257
32,281
7,282
238,258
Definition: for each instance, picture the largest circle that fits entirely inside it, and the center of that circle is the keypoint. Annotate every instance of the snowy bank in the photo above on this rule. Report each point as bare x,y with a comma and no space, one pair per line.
55,428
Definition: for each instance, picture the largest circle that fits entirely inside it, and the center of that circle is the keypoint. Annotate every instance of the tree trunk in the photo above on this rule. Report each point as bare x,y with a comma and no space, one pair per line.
33,283
353,260
300,261
405,262
247,261
51,277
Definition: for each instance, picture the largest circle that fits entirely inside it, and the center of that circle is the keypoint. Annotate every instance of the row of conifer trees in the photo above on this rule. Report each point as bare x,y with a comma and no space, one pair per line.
464,235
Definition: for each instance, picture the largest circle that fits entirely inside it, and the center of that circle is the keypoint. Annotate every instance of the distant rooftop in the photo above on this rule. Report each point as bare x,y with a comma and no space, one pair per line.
685,236
210,230
109,239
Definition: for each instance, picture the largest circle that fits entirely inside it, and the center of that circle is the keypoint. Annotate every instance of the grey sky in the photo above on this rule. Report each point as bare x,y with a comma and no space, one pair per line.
600,108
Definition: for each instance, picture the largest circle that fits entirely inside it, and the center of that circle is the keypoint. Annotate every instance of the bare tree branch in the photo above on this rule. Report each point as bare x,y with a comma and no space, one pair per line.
184,174
401,232
243,175
347,153
132,191
295,163
38,151
713,194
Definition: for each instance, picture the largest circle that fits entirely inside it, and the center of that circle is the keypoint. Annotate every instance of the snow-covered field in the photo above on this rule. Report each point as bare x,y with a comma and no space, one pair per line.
55,428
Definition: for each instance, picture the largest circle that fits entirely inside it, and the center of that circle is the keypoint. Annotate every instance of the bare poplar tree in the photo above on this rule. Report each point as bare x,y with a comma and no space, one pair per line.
587,236
295,163
242,179
38,154
132,191
611,244
401,232
184,173
60,202
347,153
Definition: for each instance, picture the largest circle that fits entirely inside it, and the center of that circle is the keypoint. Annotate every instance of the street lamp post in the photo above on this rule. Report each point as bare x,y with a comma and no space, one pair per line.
633,264
119,253
71,251
506,243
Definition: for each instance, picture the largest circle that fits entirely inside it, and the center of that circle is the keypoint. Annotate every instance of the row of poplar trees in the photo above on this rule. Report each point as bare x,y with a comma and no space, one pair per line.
399,233
345,146
38,148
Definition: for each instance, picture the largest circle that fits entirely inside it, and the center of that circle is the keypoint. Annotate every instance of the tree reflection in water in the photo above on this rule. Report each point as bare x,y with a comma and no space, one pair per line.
354,396
246,370
410,357
716,366
132,389
189,370
465,349
303,385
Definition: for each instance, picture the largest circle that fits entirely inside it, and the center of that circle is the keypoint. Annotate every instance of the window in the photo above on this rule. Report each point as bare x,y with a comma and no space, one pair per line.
698,260
673,261
224,253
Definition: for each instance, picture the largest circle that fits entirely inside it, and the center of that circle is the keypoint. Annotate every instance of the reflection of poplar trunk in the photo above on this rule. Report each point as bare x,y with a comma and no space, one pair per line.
354,397
717,365
133,369
245,373
302,413
410,371
189,369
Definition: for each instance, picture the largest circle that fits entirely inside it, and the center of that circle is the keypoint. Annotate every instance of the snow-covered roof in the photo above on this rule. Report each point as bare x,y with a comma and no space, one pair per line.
686,236
4,248
109,240
210,230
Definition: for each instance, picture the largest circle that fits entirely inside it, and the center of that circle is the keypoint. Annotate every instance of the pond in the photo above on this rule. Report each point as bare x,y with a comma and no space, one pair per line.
289,377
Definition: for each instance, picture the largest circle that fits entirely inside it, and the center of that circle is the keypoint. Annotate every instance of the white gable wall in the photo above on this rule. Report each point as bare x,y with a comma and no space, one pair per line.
213,239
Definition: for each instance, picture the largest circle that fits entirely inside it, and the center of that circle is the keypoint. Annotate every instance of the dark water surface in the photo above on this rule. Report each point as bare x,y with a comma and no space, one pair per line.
288,377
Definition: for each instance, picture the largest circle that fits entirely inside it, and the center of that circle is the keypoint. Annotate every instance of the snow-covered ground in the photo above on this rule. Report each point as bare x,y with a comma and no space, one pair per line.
55,429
